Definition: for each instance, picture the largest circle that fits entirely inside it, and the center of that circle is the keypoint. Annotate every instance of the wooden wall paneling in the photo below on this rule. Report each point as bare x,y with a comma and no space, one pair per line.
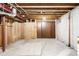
9,33
0,32
0,35
14,31
27,31
19,30
10,38
30,30
22,31
34,30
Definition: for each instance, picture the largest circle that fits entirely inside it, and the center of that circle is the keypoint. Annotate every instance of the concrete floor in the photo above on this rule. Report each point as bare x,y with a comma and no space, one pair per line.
38,47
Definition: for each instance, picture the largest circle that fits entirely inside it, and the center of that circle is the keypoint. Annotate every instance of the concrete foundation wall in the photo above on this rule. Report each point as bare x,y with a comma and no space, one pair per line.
62,29
62,26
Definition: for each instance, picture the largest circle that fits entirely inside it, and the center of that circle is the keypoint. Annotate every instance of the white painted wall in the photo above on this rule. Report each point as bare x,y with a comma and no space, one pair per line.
74,27
62,29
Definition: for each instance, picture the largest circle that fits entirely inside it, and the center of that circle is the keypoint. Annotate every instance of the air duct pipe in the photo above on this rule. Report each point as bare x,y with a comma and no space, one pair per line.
13,14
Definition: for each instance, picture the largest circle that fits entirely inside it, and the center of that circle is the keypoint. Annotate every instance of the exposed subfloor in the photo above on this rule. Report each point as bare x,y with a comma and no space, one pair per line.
38,47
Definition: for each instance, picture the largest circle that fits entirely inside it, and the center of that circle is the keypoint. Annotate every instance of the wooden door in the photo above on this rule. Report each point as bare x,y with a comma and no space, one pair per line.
39,28
53,29
46,29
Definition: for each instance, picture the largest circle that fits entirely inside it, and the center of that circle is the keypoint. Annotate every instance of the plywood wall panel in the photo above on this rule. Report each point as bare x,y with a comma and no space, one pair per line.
22,30
0,35
14,31
9,33
30,30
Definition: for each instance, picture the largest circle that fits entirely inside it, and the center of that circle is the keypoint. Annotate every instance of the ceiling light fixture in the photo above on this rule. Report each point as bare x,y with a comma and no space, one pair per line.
43,18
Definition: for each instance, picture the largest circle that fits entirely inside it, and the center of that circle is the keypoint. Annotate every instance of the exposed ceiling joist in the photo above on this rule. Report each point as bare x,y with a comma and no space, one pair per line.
47,14
50,10
46,10
47,6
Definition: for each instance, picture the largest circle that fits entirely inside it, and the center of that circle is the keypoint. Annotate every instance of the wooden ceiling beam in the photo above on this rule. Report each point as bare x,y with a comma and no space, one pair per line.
48,8
48,17
48,4
41,18
45,12
45,15
39,9
49,14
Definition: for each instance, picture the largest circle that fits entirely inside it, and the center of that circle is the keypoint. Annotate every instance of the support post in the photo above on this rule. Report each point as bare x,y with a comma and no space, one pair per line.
3,33
69,30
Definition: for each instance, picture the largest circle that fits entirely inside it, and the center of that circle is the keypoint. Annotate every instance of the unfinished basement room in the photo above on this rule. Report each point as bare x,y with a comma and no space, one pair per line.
39,29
